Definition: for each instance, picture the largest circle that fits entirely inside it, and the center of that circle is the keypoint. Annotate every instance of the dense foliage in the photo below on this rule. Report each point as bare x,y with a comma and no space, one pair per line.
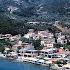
11,26
67,46
3,44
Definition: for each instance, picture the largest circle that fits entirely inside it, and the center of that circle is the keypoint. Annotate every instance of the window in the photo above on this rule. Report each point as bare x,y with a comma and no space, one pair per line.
49,56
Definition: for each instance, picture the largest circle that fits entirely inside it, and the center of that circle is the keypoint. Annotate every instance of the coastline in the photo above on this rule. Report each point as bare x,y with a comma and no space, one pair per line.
35,61
10,65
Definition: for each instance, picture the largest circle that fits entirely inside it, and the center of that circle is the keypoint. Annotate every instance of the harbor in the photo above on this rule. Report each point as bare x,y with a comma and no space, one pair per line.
54,61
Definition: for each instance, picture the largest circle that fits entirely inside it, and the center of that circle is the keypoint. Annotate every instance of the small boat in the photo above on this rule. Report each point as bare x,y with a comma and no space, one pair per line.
2,55
30,59
41,62
19,59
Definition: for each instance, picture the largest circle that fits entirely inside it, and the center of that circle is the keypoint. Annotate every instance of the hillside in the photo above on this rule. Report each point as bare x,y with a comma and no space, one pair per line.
14,14
40,10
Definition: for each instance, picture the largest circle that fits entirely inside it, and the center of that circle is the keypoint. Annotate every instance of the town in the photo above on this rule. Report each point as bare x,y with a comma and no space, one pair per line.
41,47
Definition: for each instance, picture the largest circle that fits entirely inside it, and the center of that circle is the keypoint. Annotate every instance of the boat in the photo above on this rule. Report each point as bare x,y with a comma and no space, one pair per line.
43,62
2,55
19,59
30,59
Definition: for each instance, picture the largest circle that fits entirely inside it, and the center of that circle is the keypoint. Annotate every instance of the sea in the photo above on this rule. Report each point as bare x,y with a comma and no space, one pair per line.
10,65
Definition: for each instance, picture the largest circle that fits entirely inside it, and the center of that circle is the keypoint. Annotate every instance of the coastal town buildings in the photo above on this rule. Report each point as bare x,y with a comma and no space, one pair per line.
61,38
22,50
5,36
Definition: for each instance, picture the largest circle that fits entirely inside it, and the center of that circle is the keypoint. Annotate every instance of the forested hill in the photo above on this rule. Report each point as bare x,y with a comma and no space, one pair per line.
14,13
36,9
12,26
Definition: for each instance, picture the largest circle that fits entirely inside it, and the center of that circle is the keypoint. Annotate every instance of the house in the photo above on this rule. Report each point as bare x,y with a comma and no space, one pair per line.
50,45
18,44
29,35
61,39
30,53
5,36
25,47
48,42
16,37
22,47
47,51
6,49
33,23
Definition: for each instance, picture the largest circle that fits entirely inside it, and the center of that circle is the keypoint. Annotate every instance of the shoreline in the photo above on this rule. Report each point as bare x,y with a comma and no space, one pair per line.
25,60
35,61
9,65
14,61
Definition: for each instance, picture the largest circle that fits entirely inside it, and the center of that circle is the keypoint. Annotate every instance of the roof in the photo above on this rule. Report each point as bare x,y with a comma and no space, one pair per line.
32,50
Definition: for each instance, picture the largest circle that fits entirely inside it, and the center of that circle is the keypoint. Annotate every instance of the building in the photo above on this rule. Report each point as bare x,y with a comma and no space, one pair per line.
48,42
30,53
5,36
22,46
16,37
25,47
61,39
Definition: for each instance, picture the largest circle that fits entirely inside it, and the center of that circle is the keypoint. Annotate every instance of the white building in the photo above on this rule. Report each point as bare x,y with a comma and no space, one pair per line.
48,42
50,45
61,39
26,46
5,36
16,37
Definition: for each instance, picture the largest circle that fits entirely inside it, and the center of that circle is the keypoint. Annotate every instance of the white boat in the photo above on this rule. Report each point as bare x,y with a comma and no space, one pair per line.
43,62
40,61
19,59
30,59
2,55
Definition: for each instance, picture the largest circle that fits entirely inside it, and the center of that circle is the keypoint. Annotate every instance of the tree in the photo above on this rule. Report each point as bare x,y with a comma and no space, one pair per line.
66,46
2,48
58,45
3,44
37,44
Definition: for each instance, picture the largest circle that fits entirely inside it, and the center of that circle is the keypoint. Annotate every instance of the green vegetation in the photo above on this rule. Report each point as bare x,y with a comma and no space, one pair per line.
14,27
58,45
60,62
66,46
3,44
11,26
37,44
26,40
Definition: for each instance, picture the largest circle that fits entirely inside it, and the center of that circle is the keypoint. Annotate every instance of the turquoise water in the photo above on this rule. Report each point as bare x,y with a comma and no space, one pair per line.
7,65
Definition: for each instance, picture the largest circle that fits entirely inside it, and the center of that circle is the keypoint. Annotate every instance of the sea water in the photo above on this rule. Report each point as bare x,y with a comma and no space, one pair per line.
9,65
